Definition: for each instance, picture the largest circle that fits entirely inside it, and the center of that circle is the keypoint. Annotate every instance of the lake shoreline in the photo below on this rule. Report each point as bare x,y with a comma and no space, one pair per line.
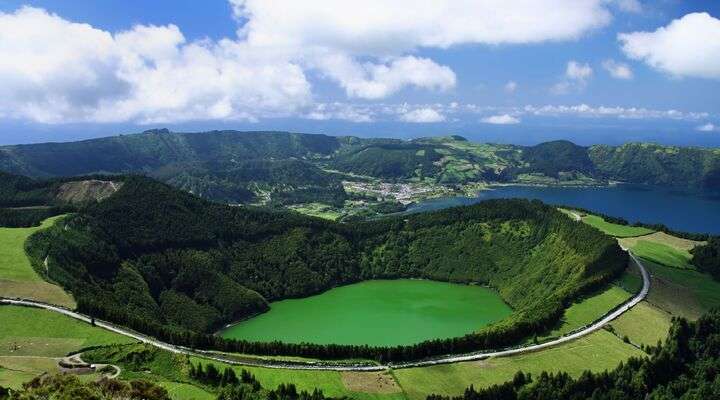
680,210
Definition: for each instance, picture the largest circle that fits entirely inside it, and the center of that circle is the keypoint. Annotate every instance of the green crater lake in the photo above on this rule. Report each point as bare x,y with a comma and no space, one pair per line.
377,313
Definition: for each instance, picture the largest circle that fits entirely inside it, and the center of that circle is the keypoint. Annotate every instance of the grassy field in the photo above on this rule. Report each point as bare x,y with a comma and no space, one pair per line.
33,332
17,277
588,310
684,293
319,210
16,370
598,352
662,254
616,230
185,391
630,281
643,324
356,385
666,239
662,248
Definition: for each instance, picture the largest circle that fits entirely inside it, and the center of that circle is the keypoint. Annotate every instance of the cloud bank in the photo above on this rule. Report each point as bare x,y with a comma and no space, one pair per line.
55,70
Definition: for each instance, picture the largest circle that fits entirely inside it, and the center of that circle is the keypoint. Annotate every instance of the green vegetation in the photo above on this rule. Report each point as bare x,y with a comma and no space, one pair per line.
643,324
393,160
682,293
14,371
616,230
683,368
20,191
559,159
654,164
589,310
14,264
71,387
31,339
319,210
597,352
186,391
631,281
707,258
17,276
280,168
266,181
35,332
226,166
662,248
184,375
377,313
154,374
27,217
662,254
175,266
330,382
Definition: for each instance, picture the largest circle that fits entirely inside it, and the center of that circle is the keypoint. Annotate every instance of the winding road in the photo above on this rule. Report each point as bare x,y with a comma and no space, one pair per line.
351,367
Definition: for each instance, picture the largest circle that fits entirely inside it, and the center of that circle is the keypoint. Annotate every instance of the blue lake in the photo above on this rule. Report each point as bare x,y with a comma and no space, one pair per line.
690,212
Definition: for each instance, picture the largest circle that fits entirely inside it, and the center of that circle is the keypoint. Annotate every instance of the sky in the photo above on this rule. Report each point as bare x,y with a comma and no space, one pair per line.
508,71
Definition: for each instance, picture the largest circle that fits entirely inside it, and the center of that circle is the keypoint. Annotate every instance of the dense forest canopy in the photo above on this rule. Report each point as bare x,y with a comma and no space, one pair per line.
167,261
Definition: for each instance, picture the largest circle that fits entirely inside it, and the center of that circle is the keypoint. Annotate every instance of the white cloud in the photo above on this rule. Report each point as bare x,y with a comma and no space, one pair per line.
374,81
576,77
341,111
511,87
618,70
422,115
54,70
689,46
491,114
364,46
584,110
577,71
504,119
709,127
379,27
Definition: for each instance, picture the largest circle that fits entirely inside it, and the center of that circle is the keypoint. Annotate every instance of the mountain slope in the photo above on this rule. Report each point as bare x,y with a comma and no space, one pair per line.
280,168
654,164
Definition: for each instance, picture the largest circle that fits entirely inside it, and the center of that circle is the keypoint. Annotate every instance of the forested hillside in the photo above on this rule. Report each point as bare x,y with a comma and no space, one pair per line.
280,182
707,257
165,261
283,169
654,164
350,178
222,165
25,202
554,158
